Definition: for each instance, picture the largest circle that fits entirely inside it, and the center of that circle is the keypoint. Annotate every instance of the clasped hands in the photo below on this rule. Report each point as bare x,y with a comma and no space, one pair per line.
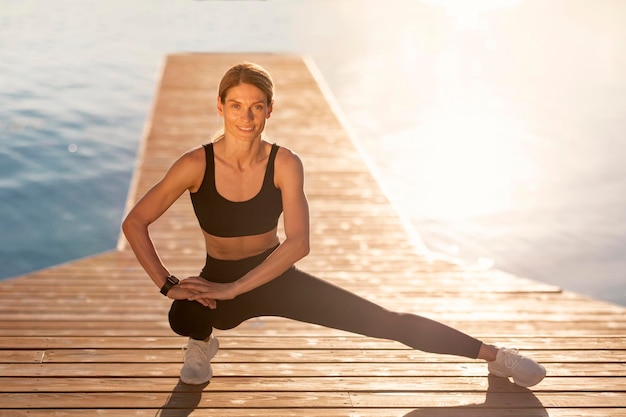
205,292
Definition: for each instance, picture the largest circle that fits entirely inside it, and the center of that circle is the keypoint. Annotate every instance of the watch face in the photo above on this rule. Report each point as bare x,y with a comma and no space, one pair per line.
173,279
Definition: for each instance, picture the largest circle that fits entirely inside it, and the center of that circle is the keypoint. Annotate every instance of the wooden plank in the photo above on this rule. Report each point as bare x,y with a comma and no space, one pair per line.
288,355
280,369
182,399
312,383
553,344
498,334
320,412
57,337
21,356
304,399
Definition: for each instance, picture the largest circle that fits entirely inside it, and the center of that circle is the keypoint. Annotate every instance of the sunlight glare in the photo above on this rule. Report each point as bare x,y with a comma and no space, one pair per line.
476,164
467,151
467,14
467,158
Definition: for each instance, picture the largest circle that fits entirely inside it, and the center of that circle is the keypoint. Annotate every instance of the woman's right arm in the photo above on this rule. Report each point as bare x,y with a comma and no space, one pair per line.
186,173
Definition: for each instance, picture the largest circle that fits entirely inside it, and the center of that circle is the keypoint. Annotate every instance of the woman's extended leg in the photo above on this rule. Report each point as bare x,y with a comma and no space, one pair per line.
303,297
300,296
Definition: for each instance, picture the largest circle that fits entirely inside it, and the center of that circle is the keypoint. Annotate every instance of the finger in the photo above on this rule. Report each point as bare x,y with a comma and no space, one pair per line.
194,287
201,301
192,280
189,287
207,302
197,297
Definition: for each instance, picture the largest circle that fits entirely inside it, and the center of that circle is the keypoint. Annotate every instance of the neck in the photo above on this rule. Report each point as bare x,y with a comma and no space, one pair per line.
242,153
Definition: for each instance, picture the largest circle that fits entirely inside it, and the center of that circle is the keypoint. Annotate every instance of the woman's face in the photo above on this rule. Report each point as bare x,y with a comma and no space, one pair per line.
244,110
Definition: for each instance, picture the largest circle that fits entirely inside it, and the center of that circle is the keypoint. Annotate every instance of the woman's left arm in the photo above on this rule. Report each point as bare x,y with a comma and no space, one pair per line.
289,177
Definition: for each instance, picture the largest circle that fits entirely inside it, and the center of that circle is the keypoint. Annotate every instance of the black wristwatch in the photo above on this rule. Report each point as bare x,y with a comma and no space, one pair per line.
171,281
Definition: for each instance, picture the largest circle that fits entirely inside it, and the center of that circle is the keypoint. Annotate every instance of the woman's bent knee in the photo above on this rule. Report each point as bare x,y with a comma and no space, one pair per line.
190,319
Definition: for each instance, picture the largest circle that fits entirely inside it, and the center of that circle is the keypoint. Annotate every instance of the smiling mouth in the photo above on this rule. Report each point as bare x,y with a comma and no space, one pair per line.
247,129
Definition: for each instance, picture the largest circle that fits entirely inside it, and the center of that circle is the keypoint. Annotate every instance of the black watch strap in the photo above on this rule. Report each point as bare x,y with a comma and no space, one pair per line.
169,283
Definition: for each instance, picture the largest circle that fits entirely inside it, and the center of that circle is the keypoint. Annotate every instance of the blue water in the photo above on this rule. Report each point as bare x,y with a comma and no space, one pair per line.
497,130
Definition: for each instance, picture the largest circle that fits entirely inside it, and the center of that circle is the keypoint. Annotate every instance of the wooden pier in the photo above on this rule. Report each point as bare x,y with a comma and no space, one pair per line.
91,338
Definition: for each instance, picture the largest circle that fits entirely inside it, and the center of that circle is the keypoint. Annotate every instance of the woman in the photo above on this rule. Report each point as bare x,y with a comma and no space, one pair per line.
239,185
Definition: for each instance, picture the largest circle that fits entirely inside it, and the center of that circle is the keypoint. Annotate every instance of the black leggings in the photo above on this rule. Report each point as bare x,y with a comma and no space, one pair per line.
300,296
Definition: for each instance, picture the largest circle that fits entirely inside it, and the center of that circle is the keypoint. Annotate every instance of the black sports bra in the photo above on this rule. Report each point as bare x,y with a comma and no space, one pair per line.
224,218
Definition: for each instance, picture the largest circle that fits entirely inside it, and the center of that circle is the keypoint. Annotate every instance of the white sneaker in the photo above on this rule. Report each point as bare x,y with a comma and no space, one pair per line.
197,367
525,371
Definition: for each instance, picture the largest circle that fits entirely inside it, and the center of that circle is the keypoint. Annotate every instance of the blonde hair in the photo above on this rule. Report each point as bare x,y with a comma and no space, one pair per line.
245,73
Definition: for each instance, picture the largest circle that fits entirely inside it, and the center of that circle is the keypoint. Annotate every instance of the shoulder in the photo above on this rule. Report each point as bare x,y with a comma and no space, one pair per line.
288,167
287,158
189,168
193,157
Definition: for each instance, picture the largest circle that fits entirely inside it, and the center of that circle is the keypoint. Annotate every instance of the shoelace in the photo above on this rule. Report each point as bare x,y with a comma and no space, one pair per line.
195,352
511,358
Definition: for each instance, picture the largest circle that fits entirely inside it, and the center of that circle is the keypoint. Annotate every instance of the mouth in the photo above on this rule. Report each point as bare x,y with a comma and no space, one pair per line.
246,129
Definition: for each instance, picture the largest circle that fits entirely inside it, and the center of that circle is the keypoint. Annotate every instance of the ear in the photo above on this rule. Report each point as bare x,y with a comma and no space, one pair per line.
269,109
220,106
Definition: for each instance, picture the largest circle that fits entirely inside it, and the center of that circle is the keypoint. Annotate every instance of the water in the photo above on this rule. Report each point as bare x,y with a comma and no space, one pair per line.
496,129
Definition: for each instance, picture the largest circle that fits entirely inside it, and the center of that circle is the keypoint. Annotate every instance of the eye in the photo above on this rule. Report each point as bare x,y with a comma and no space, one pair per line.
235,106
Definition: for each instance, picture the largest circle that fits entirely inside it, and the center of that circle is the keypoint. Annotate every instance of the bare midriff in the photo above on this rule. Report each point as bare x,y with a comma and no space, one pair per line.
234,248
